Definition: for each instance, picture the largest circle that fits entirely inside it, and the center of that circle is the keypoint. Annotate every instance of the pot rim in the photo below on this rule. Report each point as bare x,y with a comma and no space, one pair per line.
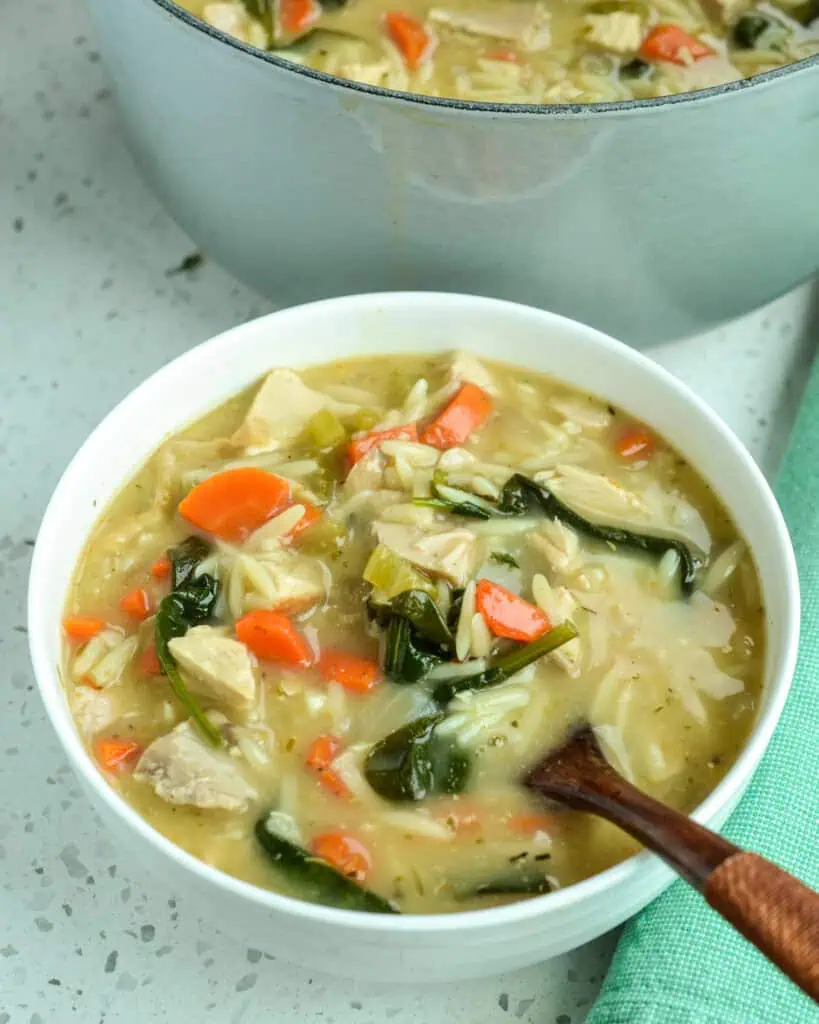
559,110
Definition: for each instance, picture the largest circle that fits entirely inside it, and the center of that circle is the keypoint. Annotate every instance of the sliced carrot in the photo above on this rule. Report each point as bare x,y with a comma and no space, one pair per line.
92,683
82,627
464,414
673,44
410,36
295,16
321,752
508,615
234,503
161,568
509,56
345,853
310,517
136,603
527,825
319,758
352,671
359,446
273,637
114,753
149,664
635,442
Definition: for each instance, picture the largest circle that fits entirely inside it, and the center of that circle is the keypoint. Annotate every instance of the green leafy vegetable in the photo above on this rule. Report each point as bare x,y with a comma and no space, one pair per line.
317,881
635,68
524,883
190,605
456,501
407,659
391,575
523,497
756,30
506,665
418,608
185,557
504,558
413,763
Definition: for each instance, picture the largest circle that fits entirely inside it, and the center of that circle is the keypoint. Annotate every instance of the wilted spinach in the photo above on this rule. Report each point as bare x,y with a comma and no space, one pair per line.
413,763
185,557
317,881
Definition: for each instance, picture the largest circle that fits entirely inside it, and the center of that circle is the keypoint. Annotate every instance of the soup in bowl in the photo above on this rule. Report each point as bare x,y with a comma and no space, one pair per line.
328,615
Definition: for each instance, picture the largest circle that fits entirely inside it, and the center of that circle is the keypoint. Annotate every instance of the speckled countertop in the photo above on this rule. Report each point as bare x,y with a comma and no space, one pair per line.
90,302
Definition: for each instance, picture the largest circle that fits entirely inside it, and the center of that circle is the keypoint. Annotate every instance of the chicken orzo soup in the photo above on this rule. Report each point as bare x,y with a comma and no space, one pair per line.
527,51
320,636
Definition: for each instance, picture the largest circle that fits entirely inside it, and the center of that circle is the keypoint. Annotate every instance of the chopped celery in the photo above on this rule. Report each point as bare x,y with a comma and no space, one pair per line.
325,429
325,537
364,419
391,575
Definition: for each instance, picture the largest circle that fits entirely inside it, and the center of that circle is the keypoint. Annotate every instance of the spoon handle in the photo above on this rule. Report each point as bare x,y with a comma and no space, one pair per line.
771,908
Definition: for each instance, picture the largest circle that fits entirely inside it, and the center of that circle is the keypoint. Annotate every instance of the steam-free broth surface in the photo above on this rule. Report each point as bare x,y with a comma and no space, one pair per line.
350,576
527,51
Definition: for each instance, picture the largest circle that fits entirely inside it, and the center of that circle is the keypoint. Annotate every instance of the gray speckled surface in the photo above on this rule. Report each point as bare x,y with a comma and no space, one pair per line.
89,308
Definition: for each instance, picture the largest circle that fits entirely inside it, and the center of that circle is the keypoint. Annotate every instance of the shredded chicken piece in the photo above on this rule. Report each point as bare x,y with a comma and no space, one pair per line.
524,24
216,665
620,31
449,553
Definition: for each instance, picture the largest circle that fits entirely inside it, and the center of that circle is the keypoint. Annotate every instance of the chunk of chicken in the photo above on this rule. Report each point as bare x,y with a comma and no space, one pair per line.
282,580
704,73
559,605
216,666
467,369
233,20
281,410
93,711
524,24
183,769
619,32
449,554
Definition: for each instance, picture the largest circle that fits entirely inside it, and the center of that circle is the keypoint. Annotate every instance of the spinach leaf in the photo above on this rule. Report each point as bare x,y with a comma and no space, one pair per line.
756,30
456,508
191,605
423,614
407,658
521,497
185,557
413,763
506,665
318,882
524,883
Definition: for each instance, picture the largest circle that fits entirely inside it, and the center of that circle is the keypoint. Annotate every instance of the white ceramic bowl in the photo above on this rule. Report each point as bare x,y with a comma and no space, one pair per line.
413,948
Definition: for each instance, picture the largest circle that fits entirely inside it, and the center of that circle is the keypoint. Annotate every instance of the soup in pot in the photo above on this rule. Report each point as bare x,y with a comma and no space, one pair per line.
527,51
321,635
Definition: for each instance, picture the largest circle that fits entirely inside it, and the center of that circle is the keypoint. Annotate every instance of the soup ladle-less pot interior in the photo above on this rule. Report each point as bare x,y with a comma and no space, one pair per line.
771,908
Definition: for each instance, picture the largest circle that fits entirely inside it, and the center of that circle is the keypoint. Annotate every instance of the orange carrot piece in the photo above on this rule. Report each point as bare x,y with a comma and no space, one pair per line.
359,446
667,42
136,603
310,517
509,56
352,671
319,758
82,627
508,615
161,568
234,503
635,442
149,664
410,36
321,752
527,825
88,681
273,637
114,753
295,16
465,413
345,853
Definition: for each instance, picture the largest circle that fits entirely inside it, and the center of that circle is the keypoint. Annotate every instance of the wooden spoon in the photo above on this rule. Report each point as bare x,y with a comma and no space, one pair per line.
771,908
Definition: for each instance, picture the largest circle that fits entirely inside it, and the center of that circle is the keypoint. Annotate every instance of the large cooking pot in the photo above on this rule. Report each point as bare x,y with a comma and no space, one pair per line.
649,220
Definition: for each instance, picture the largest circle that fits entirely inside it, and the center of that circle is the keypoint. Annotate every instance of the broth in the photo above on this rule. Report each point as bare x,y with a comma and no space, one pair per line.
668,679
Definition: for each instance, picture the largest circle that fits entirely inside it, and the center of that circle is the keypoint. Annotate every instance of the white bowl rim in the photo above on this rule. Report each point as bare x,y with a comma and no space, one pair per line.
729,788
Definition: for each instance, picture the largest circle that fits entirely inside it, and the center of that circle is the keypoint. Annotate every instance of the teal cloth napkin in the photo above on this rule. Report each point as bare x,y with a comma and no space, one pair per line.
678,962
